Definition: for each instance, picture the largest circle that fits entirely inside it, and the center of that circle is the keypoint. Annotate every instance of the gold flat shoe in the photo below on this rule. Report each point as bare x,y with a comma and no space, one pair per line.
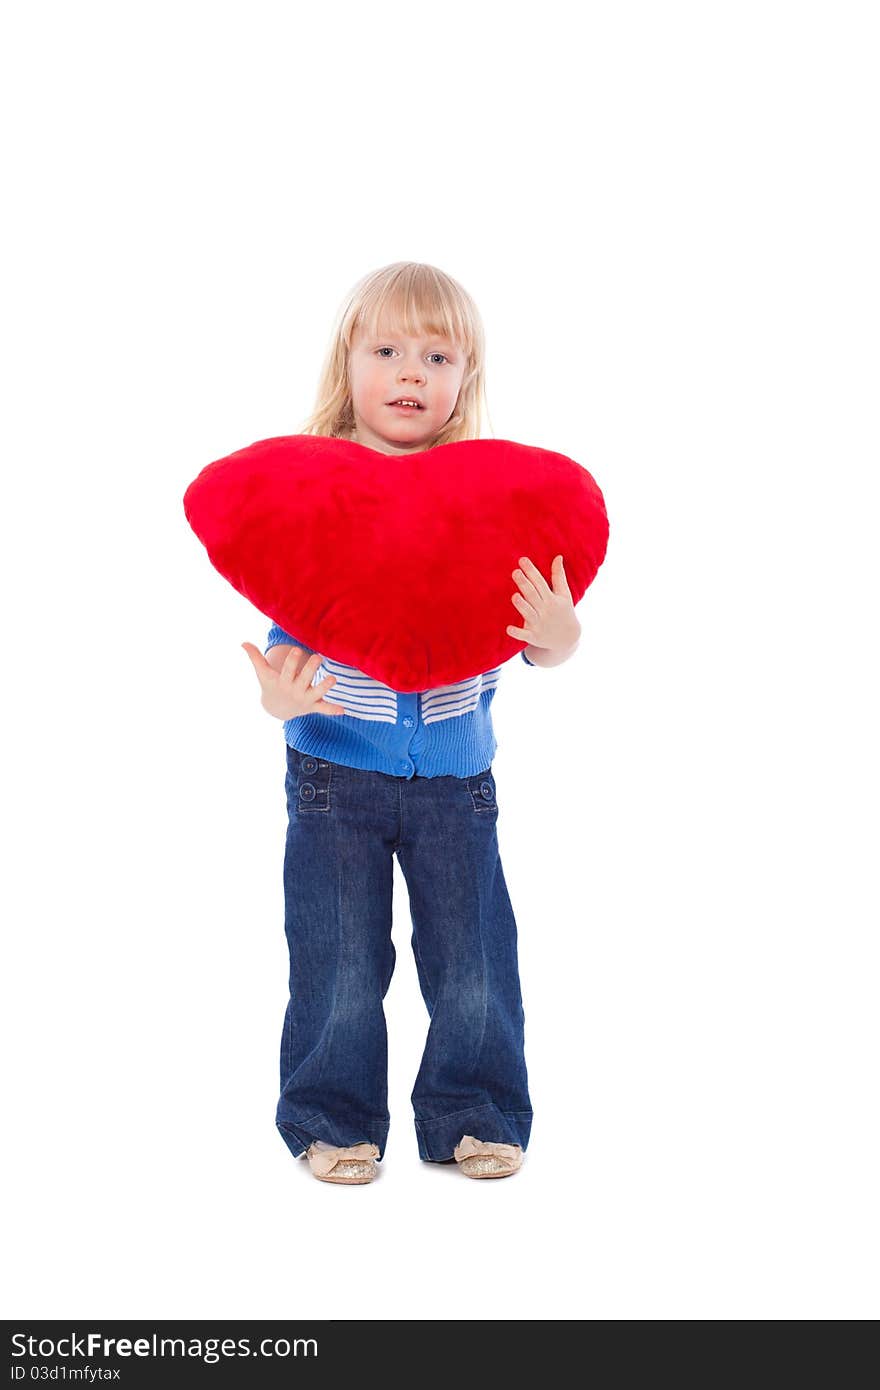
354,1164
479,1158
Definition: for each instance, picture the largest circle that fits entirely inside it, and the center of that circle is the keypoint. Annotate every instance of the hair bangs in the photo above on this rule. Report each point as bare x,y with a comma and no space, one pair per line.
417,302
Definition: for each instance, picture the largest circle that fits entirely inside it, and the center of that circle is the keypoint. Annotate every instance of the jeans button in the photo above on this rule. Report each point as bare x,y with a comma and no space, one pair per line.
307,791
309,764
486,791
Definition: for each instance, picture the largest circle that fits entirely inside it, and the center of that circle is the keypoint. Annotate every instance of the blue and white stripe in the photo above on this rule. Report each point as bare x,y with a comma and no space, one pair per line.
447,701
445,731
362,697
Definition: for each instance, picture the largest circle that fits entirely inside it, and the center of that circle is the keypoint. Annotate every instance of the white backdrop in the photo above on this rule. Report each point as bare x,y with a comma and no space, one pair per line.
667,215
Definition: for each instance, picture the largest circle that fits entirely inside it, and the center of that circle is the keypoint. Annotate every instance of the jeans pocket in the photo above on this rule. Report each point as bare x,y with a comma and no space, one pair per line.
309,779
481,788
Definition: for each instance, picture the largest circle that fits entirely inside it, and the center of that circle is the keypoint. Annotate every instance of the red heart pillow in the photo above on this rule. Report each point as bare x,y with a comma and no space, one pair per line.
398,564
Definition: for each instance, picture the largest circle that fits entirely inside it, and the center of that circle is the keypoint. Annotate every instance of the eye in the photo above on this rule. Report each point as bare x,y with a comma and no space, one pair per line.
382,350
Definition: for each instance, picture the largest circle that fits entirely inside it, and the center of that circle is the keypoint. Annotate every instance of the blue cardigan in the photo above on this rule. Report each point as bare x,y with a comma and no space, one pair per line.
430,733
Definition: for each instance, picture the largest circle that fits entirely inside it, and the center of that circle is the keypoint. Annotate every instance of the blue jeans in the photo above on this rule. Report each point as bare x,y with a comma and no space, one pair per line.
344,827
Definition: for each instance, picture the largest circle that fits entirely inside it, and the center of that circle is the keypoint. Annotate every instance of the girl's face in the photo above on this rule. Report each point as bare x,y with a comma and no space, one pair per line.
392,365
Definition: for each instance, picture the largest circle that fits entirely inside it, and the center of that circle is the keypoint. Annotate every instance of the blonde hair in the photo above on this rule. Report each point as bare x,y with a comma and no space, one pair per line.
420,299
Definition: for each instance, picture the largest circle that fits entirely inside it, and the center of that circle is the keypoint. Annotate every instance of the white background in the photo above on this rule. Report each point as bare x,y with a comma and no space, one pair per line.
667,215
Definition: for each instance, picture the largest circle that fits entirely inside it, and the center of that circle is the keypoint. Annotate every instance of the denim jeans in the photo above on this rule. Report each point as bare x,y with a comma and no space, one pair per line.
345,825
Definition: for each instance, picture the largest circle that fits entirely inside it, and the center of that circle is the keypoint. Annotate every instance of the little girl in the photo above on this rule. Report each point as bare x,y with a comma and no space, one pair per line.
374,772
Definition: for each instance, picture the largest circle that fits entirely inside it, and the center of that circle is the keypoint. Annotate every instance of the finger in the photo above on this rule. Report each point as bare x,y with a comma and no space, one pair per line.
294,653
531,580
319,690
522,633
309,667
522,606
323,707
560,583
258,661
290,668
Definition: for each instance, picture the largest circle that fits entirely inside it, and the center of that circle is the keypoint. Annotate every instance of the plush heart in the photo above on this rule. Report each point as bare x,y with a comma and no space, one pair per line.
398,564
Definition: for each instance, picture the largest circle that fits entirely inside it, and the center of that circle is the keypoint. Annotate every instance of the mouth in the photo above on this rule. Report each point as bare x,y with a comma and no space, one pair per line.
402,403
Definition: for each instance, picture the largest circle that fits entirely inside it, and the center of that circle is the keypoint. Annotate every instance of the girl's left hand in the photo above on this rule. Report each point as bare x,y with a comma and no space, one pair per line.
549,619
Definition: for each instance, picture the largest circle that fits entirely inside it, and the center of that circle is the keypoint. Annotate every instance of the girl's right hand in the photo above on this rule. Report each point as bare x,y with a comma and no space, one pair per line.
288,691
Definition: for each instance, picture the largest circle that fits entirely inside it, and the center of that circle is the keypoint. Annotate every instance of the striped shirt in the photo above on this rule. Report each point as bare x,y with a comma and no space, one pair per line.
446,731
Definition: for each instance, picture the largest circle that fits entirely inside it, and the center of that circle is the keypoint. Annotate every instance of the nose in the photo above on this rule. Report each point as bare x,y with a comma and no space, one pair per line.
414,374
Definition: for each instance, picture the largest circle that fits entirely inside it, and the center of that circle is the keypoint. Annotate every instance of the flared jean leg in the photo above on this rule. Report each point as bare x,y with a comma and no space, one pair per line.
338,870
473,1077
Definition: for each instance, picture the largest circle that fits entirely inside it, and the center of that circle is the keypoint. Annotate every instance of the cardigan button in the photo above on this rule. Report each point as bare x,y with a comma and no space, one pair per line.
307,791
408,722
